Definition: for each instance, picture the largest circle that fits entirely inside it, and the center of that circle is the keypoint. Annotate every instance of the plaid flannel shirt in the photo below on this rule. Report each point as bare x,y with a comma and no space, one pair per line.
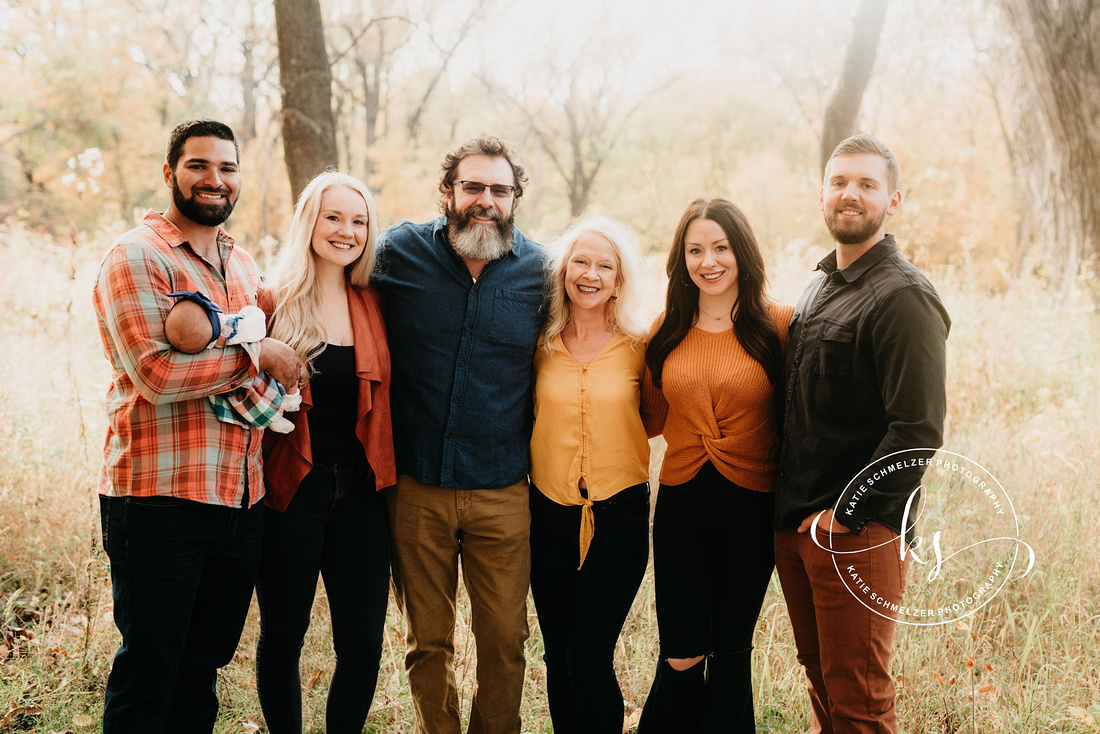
257,405
163,437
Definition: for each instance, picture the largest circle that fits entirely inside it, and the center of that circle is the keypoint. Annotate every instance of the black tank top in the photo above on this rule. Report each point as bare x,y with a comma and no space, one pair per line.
335,391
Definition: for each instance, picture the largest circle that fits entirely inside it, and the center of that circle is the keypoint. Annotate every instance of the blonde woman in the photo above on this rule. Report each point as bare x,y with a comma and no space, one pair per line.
324,514
589,471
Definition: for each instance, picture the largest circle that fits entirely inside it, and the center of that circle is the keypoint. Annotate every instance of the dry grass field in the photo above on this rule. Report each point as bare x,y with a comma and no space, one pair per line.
1023,387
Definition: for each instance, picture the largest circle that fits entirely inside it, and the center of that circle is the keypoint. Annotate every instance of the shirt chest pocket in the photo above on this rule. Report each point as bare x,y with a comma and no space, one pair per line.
515,319
835,349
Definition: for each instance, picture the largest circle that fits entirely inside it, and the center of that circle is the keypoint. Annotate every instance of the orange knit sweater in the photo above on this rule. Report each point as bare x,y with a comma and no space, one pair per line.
719,406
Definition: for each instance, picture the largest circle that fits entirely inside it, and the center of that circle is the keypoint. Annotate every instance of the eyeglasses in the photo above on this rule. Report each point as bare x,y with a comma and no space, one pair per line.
475,188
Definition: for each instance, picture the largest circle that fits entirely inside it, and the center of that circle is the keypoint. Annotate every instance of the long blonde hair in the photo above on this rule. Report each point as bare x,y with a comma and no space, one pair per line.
292,281
624,314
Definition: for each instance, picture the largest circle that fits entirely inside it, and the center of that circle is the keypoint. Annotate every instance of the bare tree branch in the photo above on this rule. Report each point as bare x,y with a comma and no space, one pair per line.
356,36
475,16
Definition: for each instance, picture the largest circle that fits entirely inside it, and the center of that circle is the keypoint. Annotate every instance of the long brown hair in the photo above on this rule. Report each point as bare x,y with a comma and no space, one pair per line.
751,324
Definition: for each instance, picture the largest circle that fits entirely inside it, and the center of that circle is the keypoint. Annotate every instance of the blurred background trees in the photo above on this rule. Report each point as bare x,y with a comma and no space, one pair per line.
628,108
1056,107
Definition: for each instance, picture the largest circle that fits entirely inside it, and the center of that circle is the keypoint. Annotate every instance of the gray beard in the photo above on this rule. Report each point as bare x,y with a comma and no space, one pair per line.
475,242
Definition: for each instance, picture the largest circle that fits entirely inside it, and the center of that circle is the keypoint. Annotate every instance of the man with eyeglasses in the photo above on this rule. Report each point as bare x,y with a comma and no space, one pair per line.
464,297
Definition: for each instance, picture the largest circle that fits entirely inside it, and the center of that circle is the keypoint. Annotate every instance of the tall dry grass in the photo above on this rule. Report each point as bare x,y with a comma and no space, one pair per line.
1022,387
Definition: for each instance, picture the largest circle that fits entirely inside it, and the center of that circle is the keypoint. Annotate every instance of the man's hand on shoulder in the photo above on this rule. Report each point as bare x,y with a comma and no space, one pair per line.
281,362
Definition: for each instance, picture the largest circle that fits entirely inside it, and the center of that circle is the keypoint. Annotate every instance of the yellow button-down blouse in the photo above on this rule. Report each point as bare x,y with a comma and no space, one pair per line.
588,424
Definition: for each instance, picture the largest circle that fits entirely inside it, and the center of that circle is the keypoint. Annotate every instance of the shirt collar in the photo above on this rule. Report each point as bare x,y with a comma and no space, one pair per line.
883,248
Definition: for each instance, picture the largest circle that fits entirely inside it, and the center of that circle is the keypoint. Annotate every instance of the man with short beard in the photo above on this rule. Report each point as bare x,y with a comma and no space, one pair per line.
180,490
464,294
865,378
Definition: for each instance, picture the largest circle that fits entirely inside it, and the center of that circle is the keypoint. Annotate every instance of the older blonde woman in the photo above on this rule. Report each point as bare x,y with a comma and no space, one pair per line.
324,513
589,471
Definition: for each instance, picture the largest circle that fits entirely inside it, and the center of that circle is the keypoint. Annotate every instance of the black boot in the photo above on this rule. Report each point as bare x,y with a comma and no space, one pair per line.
728,705
675,702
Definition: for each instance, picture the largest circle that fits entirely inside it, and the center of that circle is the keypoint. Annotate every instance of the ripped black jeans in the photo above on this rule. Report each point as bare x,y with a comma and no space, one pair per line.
713,557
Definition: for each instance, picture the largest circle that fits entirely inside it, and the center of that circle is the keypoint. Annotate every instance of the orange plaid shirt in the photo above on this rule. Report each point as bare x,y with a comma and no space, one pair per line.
163,438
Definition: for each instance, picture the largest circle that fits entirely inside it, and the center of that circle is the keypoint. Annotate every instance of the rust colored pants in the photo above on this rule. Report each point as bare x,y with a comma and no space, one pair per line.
843,645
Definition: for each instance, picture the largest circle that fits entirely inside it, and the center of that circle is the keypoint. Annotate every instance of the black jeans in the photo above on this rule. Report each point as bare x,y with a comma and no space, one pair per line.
713,555
581,612
335,526
182,574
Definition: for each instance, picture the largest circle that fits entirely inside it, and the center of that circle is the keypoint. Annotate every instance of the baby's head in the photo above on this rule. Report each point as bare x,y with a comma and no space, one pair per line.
188,327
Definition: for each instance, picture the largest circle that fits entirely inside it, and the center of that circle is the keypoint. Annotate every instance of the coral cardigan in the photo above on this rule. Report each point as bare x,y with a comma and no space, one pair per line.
288,456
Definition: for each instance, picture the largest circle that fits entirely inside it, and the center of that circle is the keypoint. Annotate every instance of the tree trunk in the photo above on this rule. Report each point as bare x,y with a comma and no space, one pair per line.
309,131
372,105
1056,127
842,111
247,131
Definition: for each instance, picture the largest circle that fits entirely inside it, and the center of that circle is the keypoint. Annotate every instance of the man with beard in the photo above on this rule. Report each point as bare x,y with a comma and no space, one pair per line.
865,378
464,294
180,491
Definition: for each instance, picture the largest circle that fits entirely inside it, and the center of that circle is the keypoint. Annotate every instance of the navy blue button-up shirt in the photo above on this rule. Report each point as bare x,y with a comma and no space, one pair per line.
461,352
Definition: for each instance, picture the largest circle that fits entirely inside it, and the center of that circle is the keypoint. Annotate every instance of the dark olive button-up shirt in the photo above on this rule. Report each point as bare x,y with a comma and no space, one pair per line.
865,377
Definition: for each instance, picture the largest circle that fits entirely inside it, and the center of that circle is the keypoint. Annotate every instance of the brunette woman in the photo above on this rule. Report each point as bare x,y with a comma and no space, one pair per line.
715,358
589,472
324,514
